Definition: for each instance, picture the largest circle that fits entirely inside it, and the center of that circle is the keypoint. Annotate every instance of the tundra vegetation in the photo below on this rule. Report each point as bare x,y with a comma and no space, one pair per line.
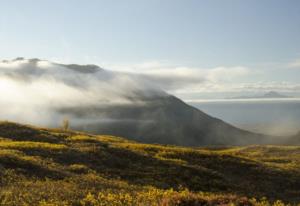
40,166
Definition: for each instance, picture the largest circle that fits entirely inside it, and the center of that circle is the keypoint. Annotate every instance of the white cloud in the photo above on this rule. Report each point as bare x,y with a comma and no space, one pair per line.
31,89
179,78
294,64
270,86
13,64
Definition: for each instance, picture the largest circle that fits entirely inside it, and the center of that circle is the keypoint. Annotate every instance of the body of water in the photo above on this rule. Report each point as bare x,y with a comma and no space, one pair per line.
272,116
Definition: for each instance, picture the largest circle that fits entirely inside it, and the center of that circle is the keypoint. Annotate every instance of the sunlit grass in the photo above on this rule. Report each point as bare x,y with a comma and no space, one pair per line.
73,168
31,145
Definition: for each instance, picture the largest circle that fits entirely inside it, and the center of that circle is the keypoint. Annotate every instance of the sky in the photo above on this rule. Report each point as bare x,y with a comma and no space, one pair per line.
213,48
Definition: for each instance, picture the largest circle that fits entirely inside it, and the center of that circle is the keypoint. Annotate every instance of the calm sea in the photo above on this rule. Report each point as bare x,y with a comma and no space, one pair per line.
276,116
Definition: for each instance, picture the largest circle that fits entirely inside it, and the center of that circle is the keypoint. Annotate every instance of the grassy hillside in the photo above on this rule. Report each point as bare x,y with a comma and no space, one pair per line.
54,167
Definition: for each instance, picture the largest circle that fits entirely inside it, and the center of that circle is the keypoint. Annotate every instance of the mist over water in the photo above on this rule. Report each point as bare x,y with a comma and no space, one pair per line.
275,117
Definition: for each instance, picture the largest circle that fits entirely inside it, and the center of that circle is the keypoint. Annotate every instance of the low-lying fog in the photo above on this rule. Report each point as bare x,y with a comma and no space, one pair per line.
35,91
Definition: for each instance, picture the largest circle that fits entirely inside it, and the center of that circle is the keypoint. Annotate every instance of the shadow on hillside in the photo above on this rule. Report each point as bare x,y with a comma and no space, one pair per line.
202,172
20,132
197,171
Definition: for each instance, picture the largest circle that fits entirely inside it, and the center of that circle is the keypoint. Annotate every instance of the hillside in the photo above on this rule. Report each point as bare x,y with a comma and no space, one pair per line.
108,102
53,167
164,120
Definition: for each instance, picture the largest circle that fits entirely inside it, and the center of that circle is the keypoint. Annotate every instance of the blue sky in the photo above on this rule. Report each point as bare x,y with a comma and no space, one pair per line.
260,36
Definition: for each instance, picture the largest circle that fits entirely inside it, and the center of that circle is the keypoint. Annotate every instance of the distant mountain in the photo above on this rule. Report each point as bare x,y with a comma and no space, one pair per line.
271,94
106,102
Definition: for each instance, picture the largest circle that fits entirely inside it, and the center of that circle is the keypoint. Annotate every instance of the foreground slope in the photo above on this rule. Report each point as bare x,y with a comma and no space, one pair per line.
43,166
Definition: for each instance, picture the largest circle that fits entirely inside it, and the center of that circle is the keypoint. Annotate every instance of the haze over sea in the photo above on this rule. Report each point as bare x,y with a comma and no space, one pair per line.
269,116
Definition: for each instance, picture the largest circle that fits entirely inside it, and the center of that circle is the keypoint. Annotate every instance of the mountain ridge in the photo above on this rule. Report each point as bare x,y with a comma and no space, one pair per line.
108,102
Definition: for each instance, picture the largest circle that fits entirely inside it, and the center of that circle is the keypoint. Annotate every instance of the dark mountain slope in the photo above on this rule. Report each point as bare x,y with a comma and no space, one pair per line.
166,120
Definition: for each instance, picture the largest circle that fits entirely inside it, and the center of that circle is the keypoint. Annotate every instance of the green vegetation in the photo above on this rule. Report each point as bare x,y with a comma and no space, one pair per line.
41,166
